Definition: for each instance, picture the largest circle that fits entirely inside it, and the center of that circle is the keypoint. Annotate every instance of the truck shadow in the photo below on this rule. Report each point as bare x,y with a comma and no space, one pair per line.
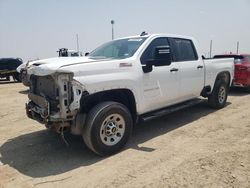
24,92
43,153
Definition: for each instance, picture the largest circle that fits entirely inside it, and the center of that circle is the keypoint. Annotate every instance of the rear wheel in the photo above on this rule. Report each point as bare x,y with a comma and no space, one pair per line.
218,98
108,127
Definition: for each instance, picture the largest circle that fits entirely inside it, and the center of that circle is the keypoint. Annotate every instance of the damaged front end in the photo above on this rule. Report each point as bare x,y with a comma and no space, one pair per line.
54,100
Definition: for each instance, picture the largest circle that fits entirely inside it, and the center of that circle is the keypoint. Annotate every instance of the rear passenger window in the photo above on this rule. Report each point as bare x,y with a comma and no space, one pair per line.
183,49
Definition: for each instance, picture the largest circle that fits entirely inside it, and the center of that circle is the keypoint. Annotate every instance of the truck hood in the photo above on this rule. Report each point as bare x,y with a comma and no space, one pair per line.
49,66
76,65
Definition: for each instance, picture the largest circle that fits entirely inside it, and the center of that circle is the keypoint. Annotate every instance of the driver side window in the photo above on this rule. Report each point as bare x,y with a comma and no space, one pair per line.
148,54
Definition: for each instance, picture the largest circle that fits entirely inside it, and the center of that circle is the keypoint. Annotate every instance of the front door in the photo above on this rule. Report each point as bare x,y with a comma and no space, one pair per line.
161,86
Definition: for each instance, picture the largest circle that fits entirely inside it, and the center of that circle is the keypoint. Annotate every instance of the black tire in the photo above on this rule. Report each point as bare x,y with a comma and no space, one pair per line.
7,78
97,127
218,97
17,77
247,89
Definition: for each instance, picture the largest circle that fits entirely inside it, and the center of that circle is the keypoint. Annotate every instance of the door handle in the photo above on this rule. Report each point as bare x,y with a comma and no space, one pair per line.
174,70
200,67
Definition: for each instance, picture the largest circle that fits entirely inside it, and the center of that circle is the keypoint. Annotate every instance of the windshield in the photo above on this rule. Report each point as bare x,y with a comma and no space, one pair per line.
118,49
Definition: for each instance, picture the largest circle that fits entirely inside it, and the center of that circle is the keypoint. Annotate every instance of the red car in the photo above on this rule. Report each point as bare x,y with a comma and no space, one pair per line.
242,69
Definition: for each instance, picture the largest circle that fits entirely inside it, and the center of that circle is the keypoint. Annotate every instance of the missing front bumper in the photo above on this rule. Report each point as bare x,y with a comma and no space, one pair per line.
38,108
54,100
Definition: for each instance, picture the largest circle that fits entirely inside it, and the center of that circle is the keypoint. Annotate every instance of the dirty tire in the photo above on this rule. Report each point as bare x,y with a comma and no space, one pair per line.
108,128
247,89
17,77
7,78
218,98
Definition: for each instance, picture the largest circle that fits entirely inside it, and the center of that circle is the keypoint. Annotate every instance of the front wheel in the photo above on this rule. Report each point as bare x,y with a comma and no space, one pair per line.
218,97
108,127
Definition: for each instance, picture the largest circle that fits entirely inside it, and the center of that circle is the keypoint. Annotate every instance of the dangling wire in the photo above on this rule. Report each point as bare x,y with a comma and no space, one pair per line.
62,136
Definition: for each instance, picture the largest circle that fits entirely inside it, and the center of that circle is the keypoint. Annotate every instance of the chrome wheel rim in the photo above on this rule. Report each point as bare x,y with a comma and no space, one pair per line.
112,129
222,94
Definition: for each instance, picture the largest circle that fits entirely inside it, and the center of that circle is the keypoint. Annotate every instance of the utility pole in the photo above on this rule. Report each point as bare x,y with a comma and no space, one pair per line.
211,47
112,24
238,44
77,43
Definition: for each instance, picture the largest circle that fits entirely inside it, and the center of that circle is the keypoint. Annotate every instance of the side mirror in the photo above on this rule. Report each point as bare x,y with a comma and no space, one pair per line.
162,56
147,68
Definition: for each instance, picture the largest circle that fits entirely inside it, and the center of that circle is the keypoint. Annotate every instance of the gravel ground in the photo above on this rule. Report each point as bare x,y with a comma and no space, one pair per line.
194,147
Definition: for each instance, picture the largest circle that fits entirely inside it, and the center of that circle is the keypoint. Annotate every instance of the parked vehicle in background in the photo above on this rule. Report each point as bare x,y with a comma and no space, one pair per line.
242,69
64,52
101,96
8,68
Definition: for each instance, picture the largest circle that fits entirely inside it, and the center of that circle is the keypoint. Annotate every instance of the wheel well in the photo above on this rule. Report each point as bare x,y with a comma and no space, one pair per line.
225,76
123,96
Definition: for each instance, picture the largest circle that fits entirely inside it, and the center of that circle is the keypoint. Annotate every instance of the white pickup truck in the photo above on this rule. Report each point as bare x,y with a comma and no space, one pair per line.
101,96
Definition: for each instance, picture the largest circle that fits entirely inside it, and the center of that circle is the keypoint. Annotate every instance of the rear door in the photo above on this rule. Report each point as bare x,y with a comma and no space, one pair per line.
191,68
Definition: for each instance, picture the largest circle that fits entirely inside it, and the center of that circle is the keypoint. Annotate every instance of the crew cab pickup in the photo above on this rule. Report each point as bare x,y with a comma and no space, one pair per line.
101,96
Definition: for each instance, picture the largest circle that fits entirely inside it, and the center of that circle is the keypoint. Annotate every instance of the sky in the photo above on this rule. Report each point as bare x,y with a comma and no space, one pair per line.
32,29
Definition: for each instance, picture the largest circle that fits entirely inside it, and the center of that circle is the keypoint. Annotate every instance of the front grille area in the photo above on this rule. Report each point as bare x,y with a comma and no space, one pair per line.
45,86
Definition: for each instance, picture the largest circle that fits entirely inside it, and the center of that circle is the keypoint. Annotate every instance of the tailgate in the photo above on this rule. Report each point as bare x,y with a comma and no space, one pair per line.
241,72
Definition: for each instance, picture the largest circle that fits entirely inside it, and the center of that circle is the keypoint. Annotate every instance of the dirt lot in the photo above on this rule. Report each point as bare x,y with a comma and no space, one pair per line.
195,147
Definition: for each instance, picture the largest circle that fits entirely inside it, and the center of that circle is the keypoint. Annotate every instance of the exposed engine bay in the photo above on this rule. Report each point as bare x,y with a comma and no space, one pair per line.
54,100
